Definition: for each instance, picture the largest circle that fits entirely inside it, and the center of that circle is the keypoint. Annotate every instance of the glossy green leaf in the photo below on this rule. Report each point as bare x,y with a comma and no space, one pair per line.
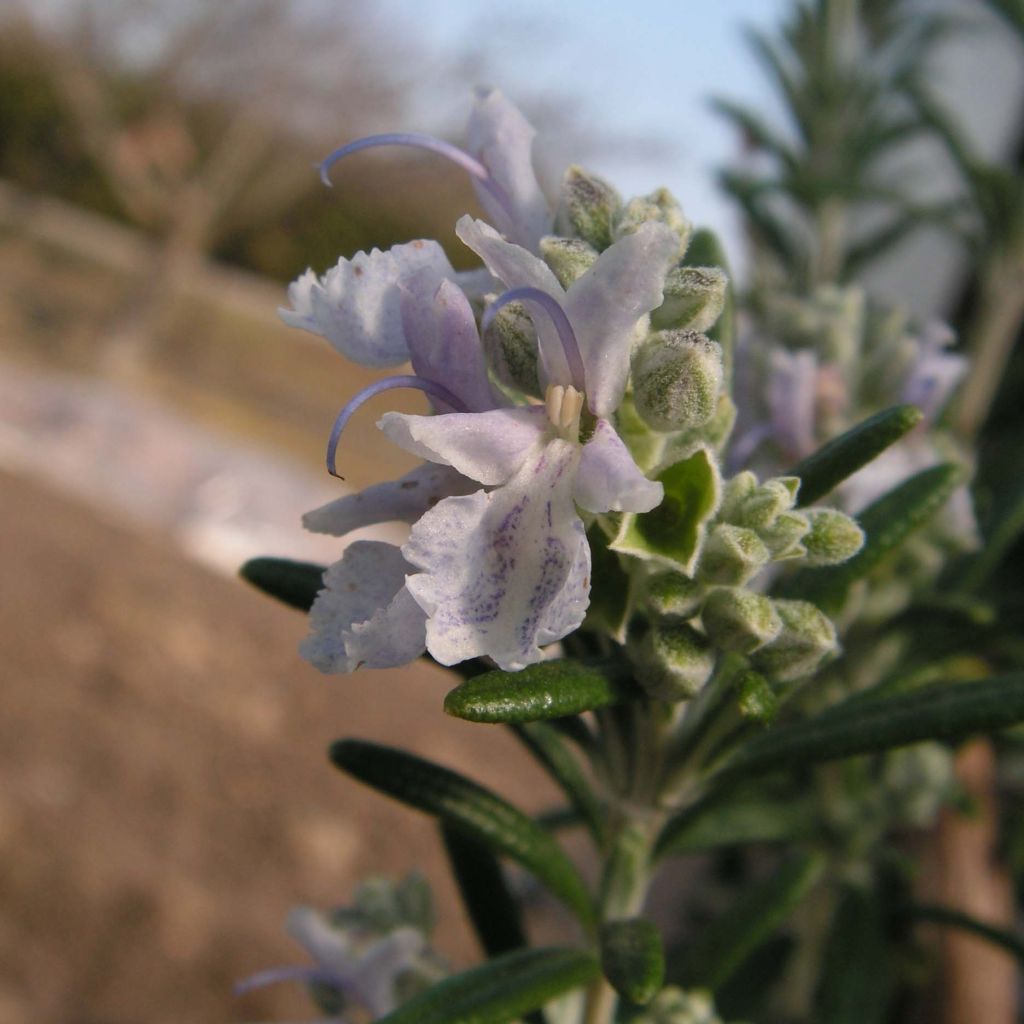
941,711
548,746
294,583
887,523
759,912
632,958
672,534
485,895
841,457
501,990
549,689
463,805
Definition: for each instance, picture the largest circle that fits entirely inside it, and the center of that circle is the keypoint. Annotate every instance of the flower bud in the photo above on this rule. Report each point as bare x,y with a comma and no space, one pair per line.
674,1006
677,376
671,595
694,297
736,491
740,620
807,637
673,661
833,538
588,207
660,206
785,535
761,506
732,555
510,343
568,258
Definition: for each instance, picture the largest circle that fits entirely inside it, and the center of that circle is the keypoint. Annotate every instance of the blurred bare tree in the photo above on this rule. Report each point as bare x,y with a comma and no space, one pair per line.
192,112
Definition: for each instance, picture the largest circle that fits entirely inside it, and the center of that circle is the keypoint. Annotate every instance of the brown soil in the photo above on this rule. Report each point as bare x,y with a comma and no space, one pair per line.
166,798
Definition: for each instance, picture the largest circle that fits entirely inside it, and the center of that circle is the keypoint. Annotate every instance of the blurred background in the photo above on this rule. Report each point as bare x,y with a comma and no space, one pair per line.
166,798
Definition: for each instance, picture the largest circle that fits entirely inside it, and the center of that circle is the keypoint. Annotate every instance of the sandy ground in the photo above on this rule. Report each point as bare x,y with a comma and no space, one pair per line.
165,795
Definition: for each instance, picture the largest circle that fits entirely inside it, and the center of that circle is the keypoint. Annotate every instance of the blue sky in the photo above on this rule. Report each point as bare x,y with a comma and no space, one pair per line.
638,72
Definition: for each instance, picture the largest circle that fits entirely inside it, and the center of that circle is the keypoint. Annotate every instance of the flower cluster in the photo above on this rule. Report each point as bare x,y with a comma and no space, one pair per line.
569,380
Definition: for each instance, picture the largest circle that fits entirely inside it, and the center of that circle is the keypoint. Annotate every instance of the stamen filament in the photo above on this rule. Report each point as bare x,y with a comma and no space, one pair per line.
558,316
278,974
420,140
429,387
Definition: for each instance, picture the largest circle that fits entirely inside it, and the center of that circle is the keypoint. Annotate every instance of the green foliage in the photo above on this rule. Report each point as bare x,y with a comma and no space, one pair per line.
469,808
549,689
632,958
294,583
501,990
841,457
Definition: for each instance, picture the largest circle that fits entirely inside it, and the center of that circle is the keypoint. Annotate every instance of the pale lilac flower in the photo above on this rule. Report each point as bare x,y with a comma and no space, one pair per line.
498,159
363,973
505,570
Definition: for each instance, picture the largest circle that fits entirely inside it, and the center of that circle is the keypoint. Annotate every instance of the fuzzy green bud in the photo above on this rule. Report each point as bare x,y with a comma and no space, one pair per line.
833,538
694,298
568,258
740,620
510,343
671,595
673,661
677,377
762,505
732,555
807,636
659,206
737,490
588,207
786,534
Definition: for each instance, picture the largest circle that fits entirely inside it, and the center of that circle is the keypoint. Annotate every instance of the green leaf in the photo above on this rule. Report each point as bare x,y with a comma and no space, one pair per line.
501,990
470,809
610,589
672,534
633,959
1000,538
734,935
1012,942
741,819
886,524
942,711
544,742
844,455
548,689
757,699
491,907
294,583
857,969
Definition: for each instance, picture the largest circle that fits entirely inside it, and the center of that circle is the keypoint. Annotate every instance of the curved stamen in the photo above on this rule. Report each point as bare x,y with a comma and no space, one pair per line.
429,387
419,140
558,316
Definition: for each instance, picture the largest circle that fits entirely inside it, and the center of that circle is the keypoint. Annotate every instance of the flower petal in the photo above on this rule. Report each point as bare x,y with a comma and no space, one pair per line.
515,267
356,304
399,501
364,616
606,303
609,480
444,345
502,140
485,446
792,393
504,572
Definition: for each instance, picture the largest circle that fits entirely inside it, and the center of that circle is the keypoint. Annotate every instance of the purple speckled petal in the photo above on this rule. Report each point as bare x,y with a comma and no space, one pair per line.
485,446
364,616
440,330
356,304
609,480
395,501
515,267
502,140
507,571
792,392
606,303
935,372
